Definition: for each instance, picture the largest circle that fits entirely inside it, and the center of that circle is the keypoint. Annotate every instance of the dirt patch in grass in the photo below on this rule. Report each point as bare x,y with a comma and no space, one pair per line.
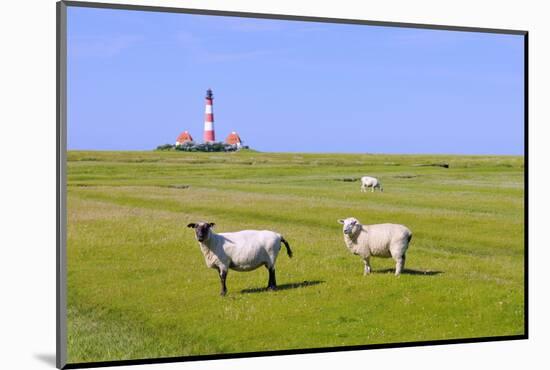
347,179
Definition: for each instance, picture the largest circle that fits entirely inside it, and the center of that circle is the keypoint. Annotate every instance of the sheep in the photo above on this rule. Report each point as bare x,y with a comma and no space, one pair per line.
381,240
240,251
370,182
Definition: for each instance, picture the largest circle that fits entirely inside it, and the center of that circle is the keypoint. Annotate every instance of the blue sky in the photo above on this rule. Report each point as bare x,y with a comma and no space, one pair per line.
137,79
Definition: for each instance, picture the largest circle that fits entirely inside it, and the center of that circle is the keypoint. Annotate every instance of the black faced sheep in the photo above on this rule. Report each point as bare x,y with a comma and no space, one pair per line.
241,251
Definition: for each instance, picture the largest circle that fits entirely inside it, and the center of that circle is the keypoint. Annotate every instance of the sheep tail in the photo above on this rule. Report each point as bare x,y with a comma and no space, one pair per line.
288,250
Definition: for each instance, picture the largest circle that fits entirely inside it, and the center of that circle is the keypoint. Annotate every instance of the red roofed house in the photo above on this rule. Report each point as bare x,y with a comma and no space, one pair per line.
185,136
233,139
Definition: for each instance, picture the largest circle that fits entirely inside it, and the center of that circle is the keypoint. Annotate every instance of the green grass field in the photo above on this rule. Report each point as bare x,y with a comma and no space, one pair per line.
138,286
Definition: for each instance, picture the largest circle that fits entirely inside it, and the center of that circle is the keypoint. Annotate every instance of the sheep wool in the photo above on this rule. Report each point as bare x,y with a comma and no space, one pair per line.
370,182
244,250
380,240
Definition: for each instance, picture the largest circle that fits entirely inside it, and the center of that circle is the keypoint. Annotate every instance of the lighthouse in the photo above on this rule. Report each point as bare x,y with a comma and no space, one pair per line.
209,118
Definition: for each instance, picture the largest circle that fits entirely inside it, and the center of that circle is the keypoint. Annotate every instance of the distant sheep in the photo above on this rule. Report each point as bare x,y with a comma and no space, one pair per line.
241,251
382,240
370,182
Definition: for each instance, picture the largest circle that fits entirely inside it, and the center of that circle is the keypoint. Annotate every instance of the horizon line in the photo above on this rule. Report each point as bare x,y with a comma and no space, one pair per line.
296,152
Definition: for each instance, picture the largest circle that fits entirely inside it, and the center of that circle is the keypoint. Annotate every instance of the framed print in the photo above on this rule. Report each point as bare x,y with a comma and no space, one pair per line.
239,184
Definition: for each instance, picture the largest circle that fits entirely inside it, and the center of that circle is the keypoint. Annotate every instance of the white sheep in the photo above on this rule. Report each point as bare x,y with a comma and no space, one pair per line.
382,240
241,251
370,182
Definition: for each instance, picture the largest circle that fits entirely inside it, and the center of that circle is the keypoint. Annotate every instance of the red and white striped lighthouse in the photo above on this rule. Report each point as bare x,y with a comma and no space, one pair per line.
209,118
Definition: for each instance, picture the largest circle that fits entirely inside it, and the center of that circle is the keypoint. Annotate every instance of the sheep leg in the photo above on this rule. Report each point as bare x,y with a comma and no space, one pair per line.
272,283
367,266
223,276
399,265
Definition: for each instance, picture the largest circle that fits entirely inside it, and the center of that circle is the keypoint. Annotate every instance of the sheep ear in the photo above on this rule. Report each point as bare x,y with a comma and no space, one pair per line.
340,221
192,225
212,224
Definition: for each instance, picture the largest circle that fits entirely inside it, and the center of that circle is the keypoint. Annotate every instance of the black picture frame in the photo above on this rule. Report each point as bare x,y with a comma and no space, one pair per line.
61,186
